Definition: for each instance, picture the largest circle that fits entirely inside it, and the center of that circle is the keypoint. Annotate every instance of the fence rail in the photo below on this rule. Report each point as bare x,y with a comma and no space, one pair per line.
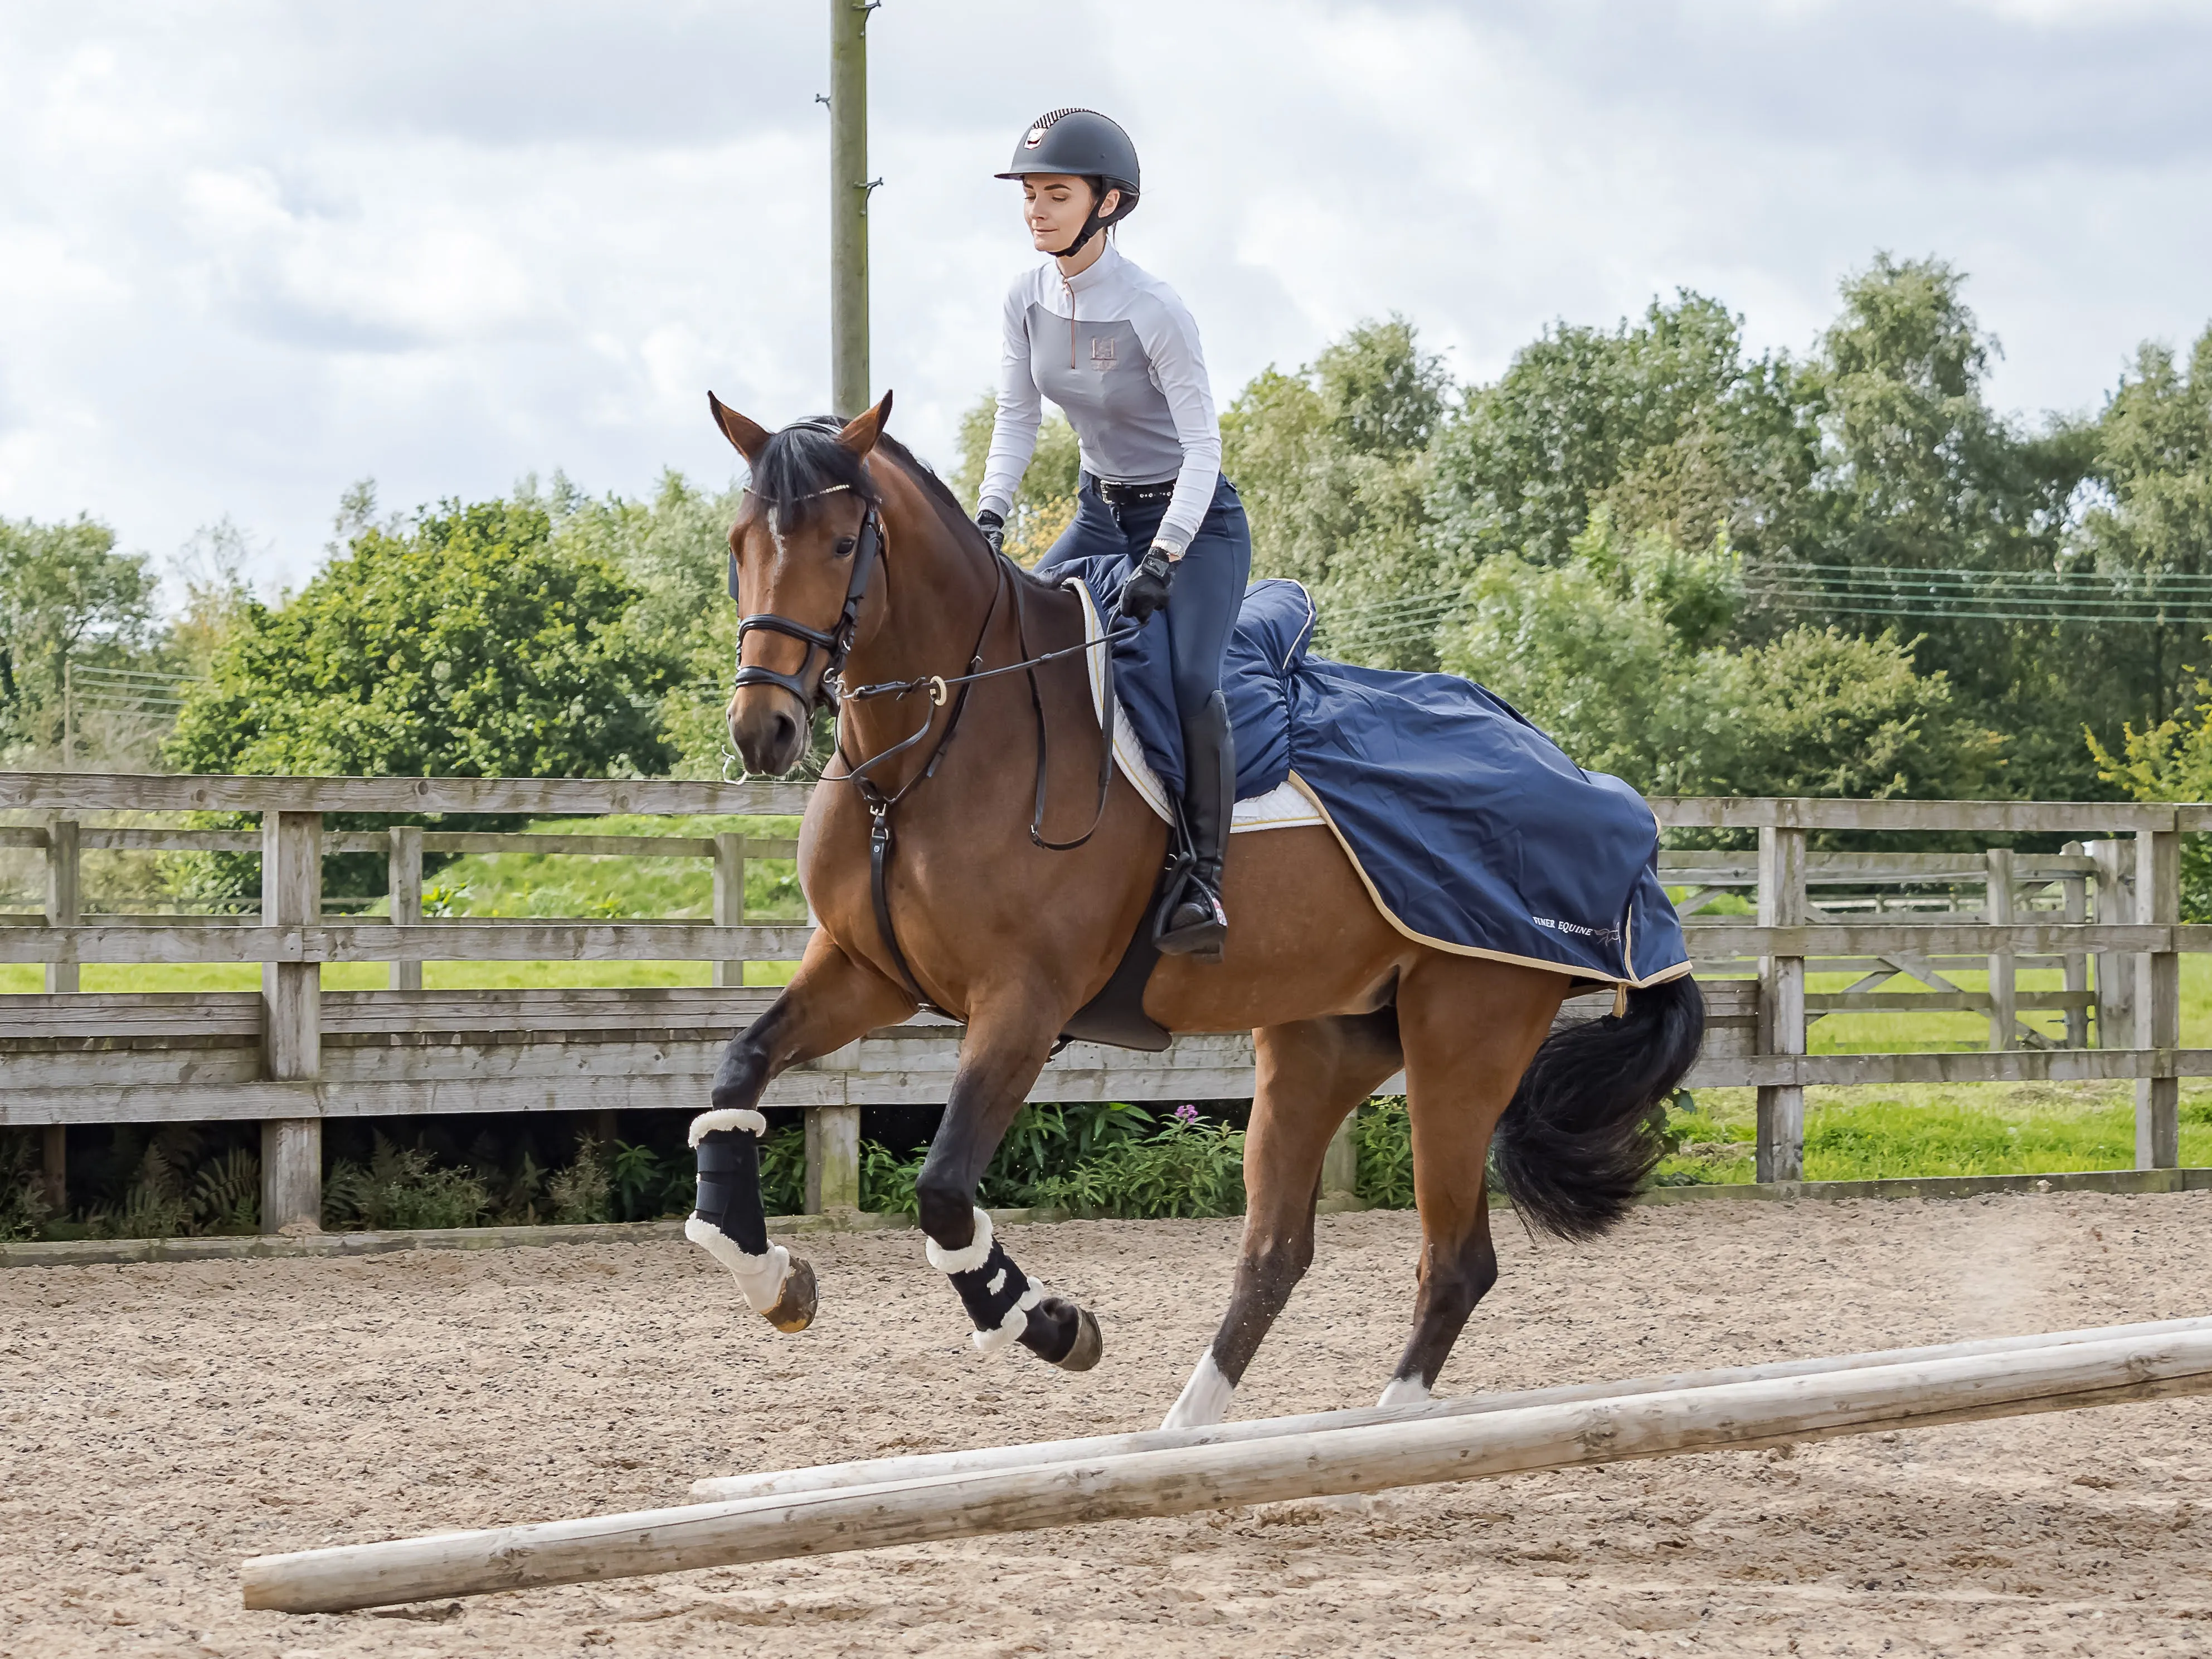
2104,911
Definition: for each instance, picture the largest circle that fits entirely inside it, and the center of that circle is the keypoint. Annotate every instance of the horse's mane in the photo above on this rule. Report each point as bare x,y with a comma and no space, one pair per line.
805,460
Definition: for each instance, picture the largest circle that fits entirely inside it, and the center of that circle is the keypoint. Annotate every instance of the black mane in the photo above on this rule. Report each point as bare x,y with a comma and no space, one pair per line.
805,460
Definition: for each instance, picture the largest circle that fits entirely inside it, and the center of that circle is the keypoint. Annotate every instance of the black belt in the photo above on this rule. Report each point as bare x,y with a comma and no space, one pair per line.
1132,495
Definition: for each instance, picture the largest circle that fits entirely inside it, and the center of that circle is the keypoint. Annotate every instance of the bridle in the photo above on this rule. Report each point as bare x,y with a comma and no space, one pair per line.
836,640
869,550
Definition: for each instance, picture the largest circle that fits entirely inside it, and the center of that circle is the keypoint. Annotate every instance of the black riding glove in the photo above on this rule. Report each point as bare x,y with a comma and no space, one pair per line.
994,528
1147,590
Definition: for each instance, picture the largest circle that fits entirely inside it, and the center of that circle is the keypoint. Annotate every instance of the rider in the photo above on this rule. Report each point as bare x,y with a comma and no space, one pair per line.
1114,347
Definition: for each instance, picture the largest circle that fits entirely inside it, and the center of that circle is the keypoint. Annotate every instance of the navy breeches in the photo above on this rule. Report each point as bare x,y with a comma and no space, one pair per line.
1209,581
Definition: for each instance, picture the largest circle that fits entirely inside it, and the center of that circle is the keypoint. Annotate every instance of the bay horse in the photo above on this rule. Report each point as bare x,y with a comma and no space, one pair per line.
851,557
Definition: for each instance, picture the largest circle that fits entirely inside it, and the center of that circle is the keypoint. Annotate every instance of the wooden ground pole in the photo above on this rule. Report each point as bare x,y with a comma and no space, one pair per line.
1732,1416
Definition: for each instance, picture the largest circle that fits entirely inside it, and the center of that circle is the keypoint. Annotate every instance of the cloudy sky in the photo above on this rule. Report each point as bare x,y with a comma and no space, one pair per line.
251,251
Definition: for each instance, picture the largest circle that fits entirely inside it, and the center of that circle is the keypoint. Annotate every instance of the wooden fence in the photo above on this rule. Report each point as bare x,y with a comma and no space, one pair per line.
2104,911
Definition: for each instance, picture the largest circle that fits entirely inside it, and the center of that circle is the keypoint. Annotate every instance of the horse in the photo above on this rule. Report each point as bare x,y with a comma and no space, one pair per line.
855,564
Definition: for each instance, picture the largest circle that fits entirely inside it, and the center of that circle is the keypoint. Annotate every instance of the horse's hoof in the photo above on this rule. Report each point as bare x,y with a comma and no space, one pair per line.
794,1308
1089,1344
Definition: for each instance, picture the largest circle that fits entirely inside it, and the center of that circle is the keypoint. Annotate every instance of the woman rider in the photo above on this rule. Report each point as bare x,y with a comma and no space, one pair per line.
1114,347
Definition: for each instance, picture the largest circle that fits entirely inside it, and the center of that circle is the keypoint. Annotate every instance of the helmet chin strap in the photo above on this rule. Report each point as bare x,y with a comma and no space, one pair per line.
1092,224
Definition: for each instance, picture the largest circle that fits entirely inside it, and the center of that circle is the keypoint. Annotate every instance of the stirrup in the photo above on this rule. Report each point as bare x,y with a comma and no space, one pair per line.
1201,940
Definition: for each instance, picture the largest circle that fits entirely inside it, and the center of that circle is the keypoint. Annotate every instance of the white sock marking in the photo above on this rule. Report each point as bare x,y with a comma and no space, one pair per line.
1205,1398
1404,1391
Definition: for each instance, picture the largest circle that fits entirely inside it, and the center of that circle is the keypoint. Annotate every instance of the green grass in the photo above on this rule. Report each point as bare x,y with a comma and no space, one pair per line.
1874,1132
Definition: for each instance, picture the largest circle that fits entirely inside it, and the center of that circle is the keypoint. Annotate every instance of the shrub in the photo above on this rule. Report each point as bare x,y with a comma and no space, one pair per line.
23,1194
401,1188
1384,1136
585,1190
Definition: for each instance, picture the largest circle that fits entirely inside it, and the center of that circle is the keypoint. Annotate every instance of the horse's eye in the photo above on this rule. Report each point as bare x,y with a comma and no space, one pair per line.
845,546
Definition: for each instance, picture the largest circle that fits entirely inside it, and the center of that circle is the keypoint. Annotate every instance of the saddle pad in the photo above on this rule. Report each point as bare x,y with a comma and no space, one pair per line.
1284,807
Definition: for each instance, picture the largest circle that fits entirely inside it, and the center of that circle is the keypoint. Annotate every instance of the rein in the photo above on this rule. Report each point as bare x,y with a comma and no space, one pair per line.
836,643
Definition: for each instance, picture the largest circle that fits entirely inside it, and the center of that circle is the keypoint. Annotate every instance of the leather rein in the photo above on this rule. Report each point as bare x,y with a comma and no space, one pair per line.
830,692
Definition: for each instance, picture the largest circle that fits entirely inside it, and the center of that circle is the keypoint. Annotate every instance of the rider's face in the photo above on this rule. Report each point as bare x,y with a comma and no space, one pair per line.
1054,206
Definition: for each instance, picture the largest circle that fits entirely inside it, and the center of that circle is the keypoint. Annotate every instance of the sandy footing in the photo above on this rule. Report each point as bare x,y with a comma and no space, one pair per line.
159,1423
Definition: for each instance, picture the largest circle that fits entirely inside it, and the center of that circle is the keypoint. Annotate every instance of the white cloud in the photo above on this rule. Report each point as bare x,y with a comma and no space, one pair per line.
251,251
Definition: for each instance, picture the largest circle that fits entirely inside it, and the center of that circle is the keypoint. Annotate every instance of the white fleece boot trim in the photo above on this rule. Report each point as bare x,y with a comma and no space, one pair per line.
1404,1391
727,1117
961,1261
1011,1327
760,1277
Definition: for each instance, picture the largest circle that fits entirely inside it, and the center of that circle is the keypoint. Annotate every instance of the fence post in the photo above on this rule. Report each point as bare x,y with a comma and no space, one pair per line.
832,1158
64,895
2158,1005
54,1168
2004,995
729,898
404,867
1339,1164
291,1019
1781,1003
2116,969
2075,890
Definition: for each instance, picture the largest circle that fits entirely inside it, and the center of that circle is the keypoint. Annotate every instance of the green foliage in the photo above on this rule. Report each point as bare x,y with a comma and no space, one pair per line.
1332,463
1384,1134
174,1189
400,1186
65,595
584,1190
466,645
23,1209
1044,502
1614,652
783,1171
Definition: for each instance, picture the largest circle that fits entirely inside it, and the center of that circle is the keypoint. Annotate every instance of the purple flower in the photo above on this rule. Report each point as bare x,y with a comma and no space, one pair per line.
1186,1113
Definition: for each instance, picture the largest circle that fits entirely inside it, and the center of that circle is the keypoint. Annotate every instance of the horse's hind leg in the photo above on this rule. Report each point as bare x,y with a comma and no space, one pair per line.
830,1000
1470,1028
1309,1075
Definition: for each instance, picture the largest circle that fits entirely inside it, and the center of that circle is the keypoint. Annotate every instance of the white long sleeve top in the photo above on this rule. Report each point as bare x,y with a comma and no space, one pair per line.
1115,348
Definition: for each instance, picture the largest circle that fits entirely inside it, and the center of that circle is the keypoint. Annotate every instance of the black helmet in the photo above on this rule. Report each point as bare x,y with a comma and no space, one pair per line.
1085,143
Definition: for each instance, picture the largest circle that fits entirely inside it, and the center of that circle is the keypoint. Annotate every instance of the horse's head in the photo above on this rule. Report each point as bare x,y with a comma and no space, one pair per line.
802,552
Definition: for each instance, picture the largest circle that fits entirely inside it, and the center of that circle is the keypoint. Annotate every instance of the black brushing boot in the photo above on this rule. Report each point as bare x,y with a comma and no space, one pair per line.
1198,926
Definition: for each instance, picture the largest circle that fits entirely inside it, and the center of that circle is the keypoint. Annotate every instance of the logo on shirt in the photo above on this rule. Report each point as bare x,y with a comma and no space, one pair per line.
1102,350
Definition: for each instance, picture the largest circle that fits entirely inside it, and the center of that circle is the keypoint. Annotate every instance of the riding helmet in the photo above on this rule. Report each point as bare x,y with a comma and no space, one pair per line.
1085,143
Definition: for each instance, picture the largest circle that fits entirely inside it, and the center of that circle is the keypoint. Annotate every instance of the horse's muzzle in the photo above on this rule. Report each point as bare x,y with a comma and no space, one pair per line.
768,728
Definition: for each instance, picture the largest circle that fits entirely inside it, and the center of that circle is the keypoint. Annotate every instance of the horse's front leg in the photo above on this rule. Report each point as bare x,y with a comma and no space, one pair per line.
1006,1047
830,1000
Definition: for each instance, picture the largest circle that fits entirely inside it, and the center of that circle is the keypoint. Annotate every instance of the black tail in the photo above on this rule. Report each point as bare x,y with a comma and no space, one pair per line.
1582,1132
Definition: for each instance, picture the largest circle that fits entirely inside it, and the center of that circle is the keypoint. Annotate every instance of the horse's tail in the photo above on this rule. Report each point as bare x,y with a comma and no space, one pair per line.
1581,1133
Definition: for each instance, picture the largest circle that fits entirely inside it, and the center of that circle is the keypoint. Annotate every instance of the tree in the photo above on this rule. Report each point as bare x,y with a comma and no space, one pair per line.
1044,502
1661,420
2152,460
1332,465
65,595
468,644
1619,653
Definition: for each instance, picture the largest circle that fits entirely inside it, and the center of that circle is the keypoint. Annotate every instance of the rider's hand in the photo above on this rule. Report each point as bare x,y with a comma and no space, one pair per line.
1147,590
994,528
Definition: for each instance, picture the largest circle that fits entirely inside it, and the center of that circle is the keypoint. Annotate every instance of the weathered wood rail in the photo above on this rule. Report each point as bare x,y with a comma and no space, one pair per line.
2104,911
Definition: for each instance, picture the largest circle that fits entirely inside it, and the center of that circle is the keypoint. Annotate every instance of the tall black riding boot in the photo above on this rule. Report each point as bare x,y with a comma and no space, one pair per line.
1198,926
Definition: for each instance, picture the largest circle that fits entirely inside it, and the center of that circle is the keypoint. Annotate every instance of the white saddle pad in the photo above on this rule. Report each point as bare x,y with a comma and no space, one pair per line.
1283,807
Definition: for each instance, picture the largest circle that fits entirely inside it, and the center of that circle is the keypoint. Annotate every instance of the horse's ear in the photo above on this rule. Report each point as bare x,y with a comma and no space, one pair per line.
749,438
860,435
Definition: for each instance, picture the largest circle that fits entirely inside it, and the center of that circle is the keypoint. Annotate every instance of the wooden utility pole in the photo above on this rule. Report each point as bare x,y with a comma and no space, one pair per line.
850,189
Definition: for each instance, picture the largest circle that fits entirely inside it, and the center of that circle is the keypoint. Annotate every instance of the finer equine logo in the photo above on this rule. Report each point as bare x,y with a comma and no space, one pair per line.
1603,935
1102,350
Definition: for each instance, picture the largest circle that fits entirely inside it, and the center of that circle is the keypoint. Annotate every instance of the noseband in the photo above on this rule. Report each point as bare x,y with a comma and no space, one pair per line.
835,642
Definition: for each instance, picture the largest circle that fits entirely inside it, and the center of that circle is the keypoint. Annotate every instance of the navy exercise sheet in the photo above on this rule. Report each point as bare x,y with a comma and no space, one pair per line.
1472,829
